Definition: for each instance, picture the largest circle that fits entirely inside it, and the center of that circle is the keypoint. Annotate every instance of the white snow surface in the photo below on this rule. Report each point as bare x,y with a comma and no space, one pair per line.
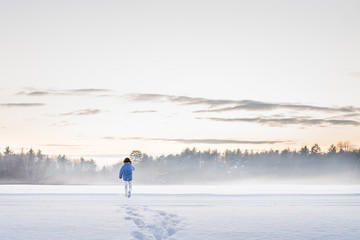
179,212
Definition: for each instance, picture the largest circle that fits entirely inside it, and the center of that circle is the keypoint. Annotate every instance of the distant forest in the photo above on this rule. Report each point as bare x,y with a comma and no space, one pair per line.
339,164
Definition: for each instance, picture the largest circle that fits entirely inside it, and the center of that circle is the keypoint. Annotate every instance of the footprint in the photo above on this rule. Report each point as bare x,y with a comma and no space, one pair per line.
171,231
153,224
157,232
133,214
138,222
138,235
162,213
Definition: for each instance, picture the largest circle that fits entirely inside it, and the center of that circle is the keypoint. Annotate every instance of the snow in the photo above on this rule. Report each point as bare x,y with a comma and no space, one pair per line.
179,212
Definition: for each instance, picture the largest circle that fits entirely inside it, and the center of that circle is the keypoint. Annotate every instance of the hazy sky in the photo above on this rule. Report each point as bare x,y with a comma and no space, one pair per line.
102,78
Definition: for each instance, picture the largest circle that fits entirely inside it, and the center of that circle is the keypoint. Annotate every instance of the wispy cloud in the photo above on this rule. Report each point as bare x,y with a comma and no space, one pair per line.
66,92
144,111
350,115
88,90
248,105
62,124
199,141
178,99
82,112
289,121
355,74
224,105
22,105
109,138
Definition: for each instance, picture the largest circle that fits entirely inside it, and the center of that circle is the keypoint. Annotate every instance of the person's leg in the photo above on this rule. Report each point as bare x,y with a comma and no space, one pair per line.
126,188
130,187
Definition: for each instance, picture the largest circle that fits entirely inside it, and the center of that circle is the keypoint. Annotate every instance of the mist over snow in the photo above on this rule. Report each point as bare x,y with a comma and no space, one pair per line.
340,165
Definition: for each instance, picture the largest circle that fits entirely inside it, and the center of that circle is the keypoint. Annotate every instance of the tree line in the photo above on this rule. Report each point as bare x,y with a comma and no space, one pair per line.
37,168
339,164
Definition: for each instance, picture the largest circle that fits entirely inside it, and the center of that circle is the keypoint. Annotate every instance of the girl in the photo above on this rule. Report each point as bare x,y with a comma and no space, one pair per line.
126,173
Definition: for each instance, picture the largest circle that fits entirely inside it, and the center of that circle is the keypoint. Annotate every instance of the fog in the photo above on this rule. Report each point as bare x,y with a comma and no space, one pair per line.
304,166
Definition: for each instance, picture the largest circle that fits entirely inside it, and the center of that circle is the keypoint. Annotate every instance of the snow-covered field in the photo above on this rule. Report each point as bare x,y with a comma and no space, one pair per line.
179,212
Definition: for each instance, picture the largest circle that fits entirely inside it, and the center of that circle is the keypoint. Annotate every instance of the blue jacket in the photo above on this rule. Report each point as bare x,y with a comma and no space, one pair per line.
126,172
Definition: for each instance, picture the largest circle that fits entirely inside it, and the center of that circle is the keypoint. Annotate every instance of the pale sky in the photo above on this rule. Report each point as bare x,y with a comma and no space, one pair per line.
102,78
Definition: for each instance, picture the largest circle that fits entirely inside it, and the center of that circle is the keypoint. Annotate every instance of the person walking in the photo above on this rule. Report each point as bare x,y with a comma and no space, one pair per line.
126,174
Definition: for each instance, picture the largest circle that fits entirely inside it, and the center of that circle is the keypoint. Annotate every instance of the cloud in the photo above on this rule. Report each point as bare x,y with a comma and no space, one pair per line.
62,124
37,93
88,90
22,105
248,105
66,92
109,138
224,105
139,97
347,114
355,74
350,115
199,141
144,111
289,121
83,112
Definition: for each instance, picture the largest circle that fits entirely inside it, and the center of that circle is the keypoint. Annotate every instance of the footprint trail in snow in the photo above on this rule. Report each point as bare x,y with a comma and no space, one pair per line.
152,224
